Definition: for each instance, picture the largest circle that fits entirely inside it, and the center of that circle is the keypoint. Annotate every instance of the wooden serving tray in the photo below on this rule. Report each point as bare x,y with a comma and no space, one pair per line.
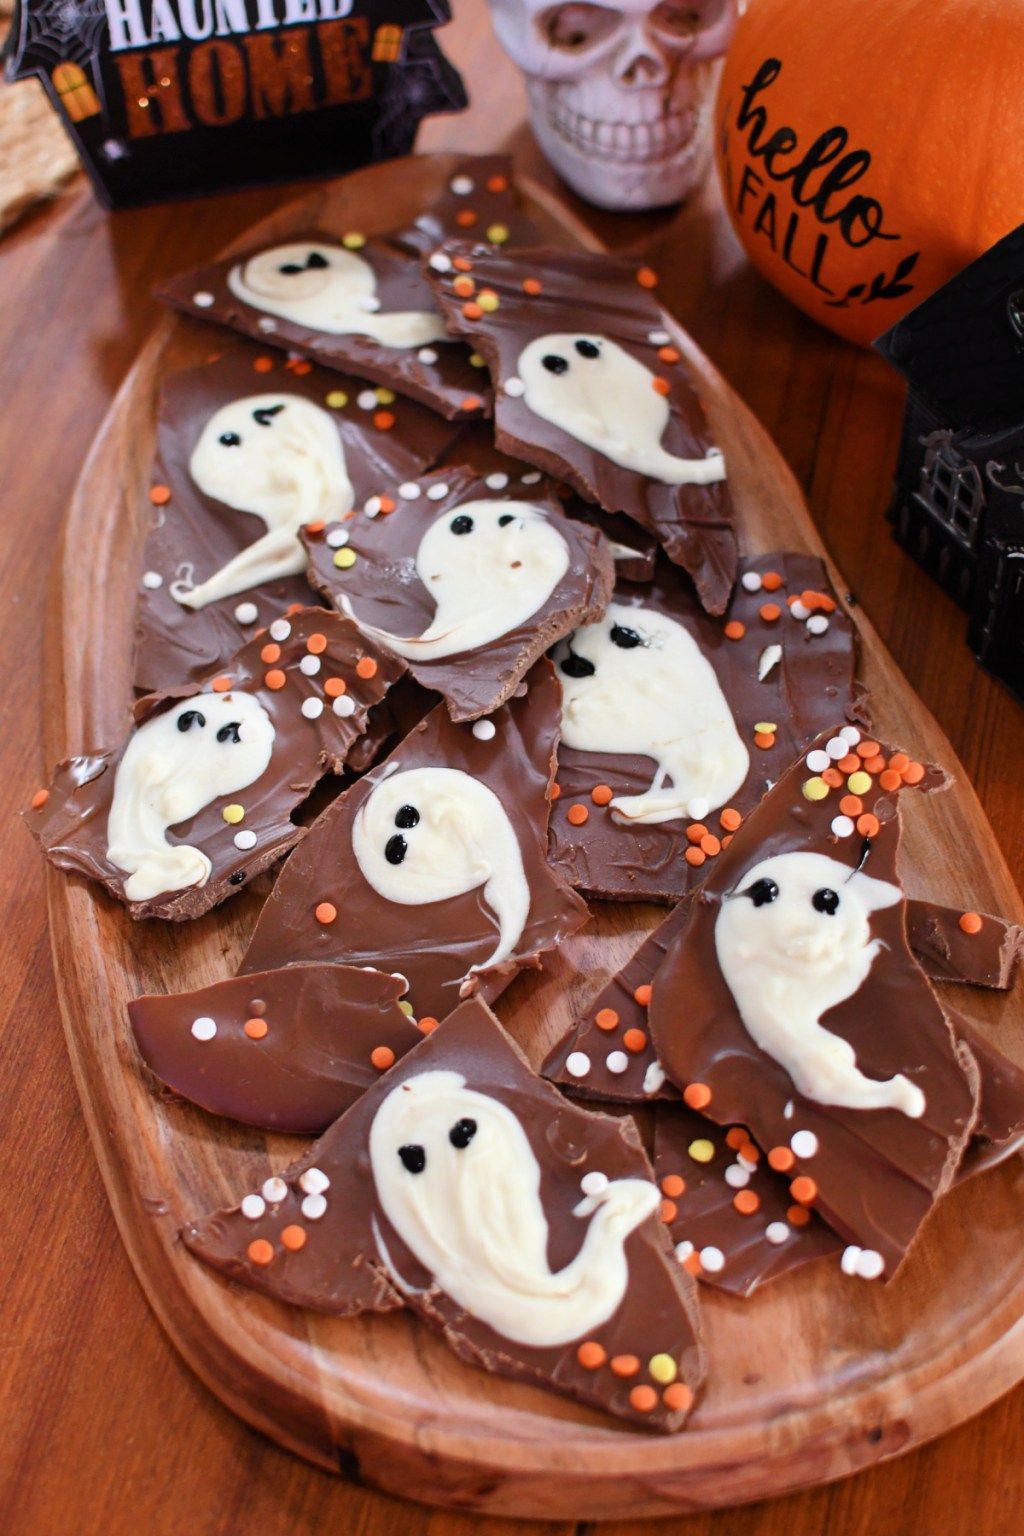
814,1377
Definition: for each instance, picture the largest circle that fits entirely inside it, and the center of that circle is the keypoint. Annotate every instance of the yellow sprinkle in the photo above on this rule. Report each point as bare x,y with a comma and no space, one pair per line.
702,1151
476,361
859,783
385,396
497,234
815,789
663,1369
343,558
488,302
234,814
353,242
337,399
405,1007
765,728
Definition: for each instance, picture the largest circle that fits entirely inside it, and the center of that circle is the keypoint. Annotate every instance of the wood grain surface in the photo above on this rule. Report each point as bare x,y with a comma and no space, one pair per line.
105,1429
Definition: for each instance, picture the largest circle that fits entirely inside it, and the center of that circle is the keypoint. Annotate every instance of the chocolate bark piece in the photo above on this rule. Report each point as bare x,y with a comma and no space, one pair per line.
480,201
194,534
430,568
480,793
286,1050
287,710
358,1225
982,954
999,1129
887,1115
388,282
579,357
792,670
389,722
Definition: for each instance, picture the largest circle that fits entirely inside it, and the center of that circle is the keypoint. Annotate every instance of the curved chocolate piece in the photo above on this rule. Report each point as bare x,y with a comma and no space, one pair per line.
793,673
380,589
982,956
316,715
599,299
197,535
286,1050
324,1235
435,944
999,1129
871,1173
437,373
480,201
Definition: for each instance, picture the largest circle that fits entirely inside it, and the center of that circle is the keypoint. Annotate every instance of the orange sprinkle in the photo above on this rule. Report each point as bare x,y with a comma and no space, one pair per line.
750,1150
554,791
695,831
890,779
532,286
293,1238
669,1212
696,857
462,264
464,286
851,805
221,685
867,825
874,764
465,218
803,1189
497,183
270,653
264,364
384,421
624,1365
770,612
833,778
642,995
668,355
39,799
382,1057
275,679
601,794
736,1136
472,310
606,1018
577,815
697,1095
471,403
798,1216
899,761
661,386
710,845
260,1251
734,630
746,1202
867,749
730,819
764,740
771,581
428,1025
386,504
326,912
692,1263
913,773
160,495
316,644
591,1355
294,608
970,922
643,1399
256,1029
647,278
301,366
781,1159
849,764
366,668
677,1398
335,687
673,1186
810,598
316,526
635,1041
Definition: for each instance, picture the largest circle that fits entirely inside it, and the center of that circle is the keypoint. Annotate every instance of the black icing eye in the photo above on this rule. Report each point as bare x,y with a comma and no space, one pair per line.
396,849
825,901
229,732
190,718
237,877
462,524
316,261
265,414
555,364
588,349
577,666
505,519
414,1158
762,892
408,816
290,269
462,1133
230,439
625,639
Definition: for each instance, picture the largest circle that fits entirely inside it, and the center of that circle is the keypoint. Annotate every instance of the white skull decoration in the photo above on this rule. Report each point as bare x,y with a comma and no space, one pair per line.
620,95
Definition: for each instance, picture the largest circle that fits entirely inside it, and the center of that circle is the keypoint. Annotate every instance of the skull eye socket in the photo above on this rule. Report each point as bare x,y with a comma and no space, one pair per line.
679,21
578,26
825,901
230,439
462,524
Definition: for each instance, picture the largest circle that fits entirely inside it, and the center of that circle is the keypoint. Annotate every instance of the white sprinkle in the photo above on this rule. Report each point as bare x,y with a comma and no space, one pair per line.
804,1143
462,186
245,840
427,354
274,1191
496,482
848,1262
787,1113
842,826
438,492
152,580
395,976
372,507
533,478
367,400
247,613
836,747
440,262
770,657
253,1206
817,624
745,1162
712,1259
409,490
312,709
514,387
798,611
337,538
578,1064
594,1183
343,706
851,734
736,1176
654,1077
314,1181
617,1062
485,730
818,761
697,808
202,300
309,666
266,324
280,629
204,1028
750,581
368,303
776,1232
658,338
869,1265
313,1207
683,1251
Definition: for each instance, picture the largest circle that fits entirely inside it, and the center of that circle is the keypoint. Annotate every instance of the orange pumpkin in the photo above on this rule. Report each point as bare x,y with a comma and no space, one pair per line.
870,149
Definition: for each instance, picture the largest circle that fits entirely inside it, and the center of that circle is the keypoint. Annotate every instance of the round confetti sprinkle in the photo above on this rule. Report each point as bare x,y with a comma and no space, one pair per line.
635,1041
409,490
343,706
160,495
326,912
815,789
804,1143
577,815
428,1025
781,1159
683,1251
591,1355
859,783
275,679
497,234
842,826
601,794
673,1186
770,612
256,1029
624,1365
438,492
270,654
337,399
848,1261
642,995
202,299
837,747
818,761
533,478
606,1018
750,581
382,1057
247,613
353,241
344,559
970,922
798,1216
309,666
462,186
427,356
734,630
804,1190
313,1207
577,1064
204,1028
643,1399
152,580
697,1095
274,1191
233,814
736,1176
712,1259
337,538
678,1398
264,365
817,624
293,1238
314,1181
439,262
489,301
532,286
245,840
374,506
746,1202
496,482
266,324
776,1232
647,278
316,644
280,630
367,399
484,730
333,686
850,734
260,1251
617,1062
868,825
312,709
39,799
701,1150
366,668
913,773
515,388
870,1264
253,1207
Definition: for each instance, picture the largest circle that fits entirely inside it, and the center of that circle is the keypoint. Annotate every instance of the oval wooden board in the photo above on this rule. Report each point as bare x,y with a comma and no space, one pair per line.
813,1378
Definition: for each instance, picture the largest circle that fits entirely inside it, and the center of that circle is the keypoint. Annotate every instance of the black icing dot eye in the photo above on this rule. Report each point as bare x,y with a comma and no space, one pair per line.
229,732
316,261
555,364
588,349
230,439
190,718
505,519
825,901
408,816
290,269
396,849
237,877
462,1133
625,638
263,415
577,666
762,892
413,1158
462,524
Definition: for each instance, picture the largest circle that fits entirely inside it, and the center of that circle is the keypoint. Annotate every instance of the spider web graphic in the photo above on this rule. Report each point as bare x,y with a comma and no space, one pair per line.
59,31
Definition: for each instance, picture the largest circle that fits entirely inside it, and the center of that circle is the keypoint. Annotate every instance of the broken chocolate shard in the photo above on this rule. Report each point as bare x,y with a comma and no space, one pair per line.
250,447
590,388
524,1229
480,199
199,798
982,953
434,863
999,1129
467,583
286,1050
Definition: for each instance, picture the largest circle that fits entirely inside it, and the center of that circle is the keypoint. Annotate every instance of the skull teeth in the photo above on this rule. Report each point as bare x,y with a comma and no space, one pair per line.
642,142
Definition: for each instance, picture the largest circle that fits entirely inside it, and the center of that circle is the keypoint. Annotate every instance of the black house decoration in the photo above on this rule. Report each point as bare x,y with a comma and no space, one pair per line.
958,498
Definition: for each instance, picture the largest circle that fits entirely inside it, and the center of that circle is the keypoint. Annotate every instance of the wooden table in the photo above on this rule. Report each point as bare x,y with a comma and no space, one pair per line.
105,1430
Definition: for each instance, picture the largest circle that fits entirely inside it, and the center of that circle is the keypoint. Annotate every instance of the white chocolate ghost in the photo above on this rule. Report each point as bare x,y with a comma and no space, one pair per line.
604,397
637,683
327,288
794,940
280,458
489,566
209,745
457,1178
429,834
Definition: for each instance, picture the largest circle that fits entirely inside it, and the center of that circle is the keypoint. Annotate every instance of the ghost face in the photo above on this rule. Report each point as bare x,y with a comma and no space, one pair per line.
326,288
604,397
794,940
431,834
175,765
457,1179
279,457
637,683
489,566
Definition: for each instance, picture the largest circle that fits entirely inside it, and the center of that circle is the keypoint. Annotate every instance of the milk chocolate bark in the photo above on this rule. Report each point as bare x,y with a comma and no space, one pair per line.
999,1128
589,324
305,686
324,908
479,202
968,947
779,662
286,1050
439,554
872,1169
194,535
436,372
461,1168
